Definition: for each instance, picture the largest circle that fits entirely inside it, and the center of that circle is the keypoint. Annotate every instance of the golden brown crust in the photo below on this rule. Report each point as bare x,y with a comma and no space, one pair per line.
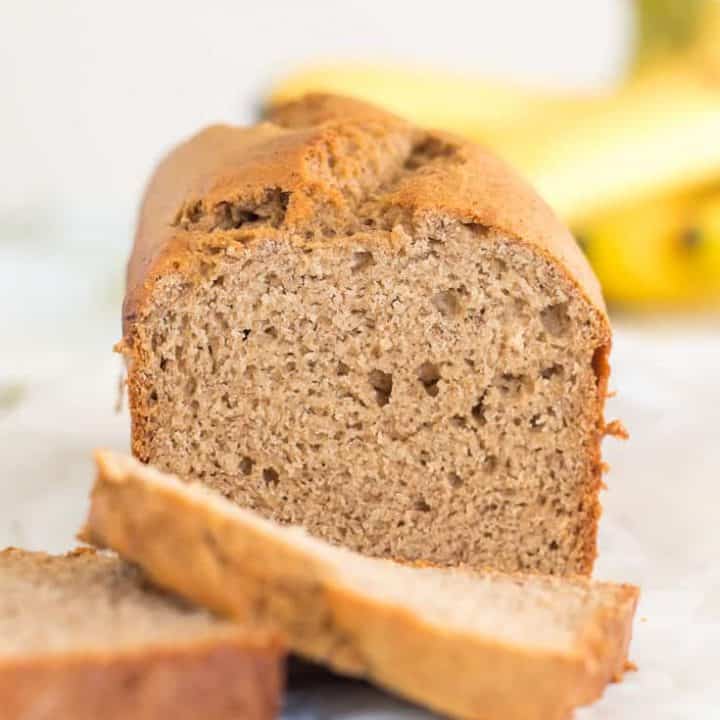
309,156
241,569
217,680
227,674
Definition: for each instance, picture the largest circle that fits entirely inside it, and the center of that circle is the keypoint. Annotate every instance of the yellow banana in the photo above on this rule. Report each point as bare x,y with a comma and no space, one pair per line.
684,29
663,251
665,28
656,135
705,222
707,53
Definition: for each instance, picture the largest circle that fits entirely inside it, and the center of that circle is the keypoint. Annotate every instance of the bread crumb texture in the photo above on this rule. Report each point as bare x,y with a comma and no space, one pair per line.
378,332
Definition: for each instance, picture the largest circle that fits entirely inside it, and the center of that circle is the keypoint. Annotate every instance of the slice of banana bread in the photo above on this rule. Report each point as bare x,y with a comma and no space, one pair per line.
82,637
472,645
375,331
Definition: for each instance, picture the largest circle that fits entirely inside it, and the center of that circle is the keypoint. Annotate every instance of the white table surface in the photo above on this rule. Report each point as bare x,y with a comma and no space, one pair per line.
661,525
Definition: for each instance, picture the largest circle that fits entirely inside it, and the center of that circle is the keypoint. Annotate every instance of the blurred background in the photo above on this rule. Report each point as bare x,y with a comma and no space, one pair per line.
610,107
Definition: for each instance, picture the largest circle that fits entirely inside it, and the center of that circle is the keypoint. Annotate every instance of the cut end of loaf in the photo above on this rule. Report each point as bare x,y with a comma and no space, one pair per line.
421,391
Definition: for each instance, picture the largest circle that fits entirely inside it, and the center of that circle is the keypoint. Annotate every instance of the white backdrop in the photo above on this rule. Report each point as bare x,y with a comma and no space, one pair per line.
93,90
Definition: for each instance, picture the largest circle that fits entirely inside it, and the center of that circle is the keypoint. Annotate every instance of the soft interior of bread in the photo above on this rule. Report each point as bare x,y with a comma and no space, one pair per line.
425,394
85,602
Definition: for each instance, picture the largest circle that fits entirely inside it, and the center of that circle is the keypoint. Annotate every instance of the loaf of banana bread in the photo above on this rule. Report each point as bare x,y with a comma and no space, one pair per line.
373,330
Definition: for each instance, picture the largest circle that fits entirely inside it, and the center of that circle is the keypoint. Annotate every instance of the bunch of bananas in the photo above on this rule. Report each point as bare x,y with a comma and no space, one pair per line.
634,171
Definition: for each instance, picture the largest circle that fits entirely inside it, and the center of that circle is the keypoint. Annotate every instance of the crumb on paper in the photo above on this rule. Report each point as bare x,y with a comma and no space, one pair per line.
616,429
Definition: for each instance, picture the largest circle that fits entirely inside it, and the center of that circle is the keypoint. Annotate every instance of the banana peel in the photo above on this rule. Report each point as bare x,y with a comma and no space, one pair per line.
662,252
657,135
666,28
686,30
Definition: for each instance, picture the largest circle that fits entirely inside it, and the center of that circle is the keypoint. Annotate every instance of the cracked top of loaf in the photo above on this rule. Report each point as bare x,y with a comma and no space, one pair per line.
327,167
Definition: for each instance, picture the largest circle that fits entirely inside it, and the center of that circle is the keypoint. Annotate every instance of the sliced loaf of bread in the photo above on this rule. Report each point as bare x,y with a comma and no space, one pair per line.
375,331
82,637
472,645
